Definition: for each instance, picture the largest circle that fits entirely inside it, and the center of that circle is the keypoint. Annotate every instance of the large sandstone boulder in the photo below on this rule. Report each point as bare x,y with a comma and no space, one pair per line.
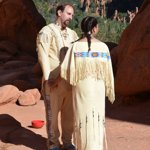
9,94
29,97
19,24
131,58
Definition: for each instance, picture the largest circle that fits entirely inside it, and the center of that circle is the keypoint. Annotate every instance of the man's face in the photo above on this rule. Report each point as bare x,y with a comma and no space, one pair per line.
66,16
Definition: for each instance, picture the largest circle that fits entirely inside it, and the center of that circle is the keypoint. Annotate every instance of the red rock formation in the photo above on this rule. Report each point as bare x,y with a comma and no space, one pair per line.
20,23
131,57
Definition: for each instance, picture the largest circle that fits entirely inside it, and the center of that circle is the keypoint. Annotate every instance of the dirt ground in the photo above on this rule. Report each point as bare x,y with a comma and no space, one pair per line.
127,126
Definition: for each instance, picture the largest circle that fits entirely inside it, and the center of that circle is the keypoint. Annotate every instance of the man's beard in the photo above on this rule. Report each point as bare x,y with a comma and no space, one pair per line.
66,23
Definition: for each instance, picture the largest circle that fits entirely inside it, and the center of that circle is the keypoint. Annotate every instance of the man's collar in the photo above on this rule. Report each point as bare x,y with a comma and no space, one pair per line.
60,27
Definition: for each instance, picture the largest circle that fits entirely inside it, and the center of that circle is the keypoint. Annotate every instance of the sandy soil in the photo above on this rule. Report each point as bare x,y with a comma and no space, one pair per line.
127,127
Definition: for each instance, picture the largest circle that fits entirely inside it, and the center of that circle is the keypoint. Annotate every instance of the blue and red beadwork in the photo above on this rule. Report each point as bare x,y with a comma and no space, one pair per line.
92,54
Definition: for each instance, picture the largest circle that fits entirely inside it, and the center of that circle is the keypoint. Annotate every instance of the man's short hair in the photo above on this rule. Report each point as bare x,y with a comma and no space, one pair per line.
62,7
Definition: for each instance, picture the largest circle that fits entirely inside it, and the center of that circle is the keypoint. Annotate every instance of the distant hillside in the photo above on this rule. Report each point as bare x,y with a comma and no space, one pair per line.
110,29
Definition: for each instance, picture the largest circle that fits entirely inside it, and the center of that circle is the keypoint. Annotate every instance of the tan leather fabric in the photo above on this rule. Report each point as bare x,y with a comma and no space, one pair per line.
52,43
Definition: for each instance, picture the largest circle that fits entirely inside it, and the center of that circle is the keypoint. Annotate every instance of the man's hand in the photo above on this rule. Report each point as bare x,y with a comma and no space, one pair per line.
53,83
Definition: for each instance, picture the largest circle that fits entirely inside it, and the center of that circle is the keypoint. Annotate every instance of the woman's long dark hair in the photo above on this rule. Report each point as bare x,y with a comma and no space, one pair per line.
87,24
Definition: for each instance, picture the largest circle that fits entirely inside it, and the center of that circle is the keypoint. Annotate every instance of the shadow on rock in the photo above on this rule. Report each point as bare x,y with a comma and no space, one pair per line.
12,132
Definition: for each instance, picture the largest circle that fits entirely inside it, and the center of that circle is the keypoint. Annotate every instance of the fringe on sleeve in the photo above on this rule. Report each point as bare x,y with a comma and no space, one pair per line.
109,82
75,70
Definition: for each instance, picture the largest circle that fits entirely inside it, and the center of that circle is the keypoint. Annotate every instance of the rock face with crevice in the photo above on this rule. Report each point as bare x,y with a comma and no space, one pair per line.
19,24
131,58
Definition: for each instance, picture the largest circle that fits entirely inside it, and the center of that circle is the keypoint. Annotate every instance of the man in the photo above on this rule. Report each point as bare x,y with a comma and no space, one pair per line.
52,43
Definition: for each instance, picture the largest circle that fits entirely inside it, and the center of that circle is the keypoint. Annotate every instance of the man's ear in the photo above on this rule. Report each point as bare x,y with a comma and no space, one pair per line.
59,13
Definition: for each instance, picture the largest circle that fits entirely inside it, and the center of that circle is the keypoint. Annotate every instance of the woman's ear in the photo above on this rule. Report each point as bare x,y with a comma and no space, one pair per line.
95,30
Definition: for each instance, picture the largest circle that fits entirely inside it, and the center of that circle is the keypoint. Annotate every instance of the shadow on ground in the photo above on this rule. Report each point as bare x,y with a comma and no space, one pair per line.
136,112
12,132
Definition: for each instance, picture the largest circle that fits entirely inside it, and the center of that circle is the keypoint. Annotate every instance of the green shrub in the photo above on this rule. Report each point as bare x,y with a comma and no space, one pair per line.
109,30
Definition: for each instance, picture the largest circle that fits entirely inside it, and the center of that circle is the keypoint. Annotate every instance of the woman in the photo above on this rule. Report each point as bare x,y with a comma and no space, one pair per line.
87,66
